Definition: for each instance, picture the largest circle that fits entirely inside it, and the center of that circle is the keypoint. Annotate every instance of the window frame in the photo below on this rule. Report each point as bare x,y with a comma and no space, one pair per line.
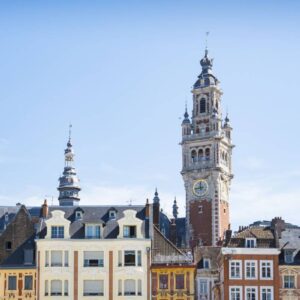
250,240
251,287
284,281
236,287
240,271
24,283
9,283
266,287
261,269
245,269
57,232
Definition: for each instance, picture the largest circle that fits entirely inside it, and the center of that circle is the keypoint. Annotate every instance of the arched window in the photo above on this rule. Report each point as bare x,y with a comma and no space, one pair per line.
197,130
207,129
202,105
200,154
194,155
207,153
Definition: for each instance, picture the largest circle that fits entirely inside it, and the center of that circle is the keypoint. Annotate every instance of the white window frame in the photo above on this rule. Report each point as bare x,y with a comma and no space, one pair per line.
251,287
250,240
245,269
291,276
241,268
267,287
236,287
260,268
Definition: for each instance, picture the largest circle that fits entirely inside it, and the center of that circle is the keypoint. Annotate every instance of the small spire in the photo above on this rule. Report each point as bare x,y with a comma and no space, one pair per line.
186,115
175,208
156,198
70,133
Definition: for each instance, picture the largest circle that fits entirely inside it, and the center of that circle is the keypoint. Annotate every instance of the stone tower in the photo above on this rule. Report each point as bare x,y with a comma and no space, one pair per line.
69,183
206,161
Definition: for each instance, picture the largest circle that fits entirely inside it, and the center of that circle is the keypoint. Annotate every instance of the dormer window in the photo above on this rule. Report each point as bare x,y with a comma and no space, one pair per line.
112,214
92,231
8,246
288,256
57,232
78,215
129,231
250,243
206,263
6,217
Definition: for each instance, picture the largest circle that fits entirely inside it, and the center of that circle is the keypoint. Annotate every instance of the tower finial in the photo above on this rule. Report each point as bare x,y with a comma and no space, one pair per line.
70,131
206,40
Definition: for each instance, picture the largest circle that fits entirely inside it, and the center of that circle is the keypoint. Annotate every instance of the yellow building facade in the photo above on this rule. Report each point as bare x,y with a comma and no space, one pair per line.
18,284
173,282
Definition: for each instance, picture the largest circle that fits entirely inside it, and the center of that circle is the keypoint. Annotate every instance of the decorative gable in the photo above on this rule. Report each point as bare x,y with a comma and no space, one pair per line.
58,226
130,226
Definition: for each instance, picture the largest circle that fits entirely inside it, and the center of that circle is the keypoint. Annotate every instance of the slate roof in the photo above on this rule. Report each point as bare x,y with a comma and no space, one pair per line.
264,237
207,252
97,214
290,240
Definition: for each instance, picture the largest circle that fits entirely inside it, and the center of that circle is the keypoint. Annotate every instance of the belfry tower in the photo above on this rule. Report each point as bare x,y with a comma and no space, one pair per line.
206,161
69,183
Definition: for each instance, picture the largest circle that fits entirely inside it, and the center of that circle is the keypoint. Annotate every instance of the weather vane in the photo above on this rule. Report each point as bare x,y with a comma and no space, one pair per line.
206,39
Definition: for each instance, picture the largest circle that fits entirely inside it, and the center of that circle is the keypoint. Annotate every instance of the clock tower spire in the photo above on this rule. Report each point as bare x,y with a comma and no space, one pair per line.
206,161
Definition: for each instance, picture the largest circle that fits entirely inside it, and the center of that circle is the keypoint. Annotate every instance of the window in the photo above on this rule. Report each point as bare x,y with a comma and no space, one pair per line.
92,231
289,281
129,287
129,258
200,209
28,256
266,293
66,288
12,283
28,282
56,259
163,281
112,214
93,259
206,263
120,258
93,288
8,246
202,105
46,288
129,231
179,281
139,258
57,232
56,288
207,153
235,293
203,289
47,259
119,287
200,155
78,215
250,293
288,256
139,287
66,258
266,269
235,269
250,243
250,269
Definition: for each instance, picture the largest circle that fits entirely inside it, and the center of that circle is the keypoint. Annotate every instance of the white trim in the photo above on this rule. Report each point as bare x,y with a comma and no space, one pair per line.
236,287
267,287
260,269
241,268
256,251
245,269
251,287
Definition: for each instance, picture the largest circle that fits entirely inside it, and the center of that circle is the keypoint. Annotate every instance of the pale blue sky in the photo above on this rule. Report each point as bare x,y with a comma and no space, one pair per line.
121,71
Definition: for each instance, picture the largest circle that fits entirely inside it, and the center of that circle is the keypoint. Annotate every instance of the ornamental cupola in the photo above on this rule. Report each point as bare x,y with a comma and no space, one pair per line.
206,77
186,123
69,183
227,127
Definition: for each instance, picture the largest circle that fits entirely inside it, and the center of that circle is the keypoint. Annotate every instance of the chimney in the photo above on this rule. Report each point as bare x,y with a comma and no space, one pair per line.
45,209
228,234
278,225
147,209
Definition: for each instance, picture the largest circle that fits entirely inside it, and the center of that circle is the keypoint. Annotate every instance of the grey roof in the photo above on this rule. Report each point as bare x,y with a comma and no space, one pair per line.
97,214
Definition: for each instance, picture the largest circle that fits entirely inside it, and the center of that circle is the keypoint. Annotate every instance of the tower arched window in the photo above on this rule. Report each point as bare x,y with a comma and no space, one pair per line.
207,153
194,155
200,154
202,105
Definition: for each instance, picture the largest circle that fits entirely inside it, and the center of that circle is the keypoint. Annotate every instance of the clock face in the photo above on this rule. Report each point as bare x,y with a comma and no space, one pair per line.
200,187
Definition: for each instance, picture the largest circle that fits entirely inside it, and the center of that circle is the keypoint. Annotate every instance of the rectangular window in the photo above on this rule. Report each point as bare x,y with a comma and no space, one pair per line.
56,288
250,242
56,259
28,256
288,256
266,293
139,287
163,281
120,258
289,281
250,269
93,288
235,293
93,258
250,293
179,279
66,288
203,289
129,231
129,287
57,232
66,258
266,269
139,258
235,269
47,259
119,287
28,282
12,283
92,232
46,288
206,263
129,258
